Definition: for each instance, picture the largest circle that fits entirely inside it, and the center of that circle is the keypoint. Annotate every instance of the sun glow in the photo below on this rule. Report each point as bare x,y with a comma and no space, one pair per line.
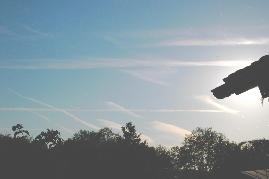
249,98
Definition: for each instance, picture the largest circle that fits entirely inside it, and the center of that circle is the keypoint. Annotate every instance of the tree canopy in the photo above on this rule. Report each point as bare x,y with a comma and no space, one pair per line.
104,154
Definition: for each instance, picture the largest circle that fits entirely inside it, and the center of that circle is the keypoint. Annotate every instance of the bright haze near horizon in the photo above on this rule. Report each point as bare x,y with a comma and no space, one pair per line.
71,65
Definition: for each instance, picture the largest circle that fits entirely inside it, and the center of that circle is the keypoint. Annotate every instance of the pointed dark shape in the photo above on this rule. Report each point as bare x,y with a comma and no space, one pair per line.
254,75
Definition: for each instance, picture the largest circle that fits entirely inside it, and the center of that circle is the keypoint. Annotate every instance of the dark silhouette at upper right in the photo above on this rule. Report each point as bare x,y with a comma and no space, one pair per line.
255,75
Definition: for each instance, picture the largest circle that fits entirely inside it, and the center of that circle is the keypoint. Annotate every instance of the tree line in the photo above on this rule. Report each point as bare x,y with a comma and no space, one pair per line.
104,154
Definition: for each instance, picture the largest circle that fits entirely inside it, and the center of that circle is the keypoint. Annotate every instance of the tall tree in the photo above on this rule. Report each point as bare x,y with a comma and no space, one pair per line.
49,139
130,135
204,151
20,132
102,136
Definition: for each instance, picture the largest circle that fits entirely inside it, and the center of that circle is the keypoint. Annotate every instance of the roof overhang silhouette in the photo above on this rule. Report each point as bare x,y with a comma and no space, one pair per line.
254,75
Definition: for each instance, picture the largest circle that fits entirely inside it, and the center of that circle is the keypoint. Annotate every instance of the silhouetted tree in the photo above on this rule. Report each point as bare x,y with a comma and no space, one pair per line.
204,151
83,135
254,154
102,136
130,135
19,132
49,139
106,135
104,154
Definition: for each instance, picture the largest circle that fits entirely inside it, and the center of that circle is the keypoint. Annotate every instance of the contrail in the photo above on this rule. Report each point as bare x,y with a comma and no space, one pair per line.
170,128
123,109
77,109
72,116
216,42
49,121
124,64
221,107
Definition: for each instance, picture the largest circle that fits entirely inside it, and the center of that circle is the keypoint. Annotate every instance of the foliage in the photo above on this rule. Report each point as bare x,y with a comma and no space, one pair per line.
102,136
104,154
204,150
19,132
49,139
130,135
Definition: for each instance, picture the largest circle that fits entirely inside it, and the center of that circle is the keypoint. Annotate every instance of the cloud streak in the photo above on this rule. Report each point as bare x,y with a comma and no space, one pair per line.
147,138
49,121
121,64
23,32
205,36
155,71
221,107
170,128
216,42
233,32
147,76
35,31
123,109
70,115
76,109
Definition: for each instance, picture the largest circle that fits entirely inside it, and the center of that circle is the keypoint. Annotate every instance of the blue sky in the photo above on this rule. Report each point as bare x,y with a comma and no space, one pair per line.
88,64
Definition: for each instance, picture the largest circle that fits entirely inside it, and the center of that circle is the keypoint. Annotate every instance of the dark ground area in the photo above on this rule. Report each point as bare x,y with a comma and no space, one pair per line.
104,154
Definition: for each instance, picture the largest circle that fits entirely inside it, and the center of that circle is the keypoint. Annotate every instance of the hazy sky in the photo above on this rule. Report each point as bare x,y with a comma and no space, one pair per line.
73,65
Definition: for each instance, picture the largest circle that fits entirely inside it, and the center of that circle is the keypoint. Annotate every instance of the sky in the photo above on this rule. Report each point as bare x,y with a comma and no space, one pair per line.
71,65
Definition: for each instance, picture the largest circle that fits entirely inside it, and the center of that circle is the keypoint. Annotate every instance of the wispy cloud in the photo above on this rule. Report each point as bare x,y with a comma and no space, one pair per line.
147,138
70,115
156,75
156,71
123,109
191,32
121,64
170,128
34,31
23,32
77,109
199,36
44,117
146,76
184,110
216,42
217,105
41,116
159,70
